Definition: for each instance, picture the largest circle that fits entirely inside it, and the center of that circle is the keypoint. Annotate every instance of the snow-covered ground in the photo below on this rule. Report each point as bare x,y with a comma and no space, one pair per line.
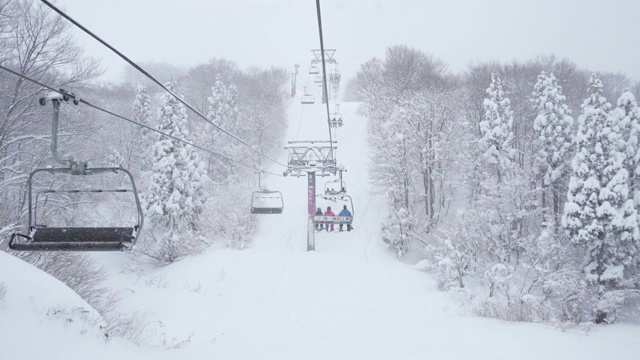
349,299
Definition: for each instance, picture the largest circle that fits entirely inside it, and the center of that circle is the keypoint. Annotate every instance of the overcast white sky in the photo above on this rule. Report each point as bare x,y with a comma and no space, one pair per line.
596,34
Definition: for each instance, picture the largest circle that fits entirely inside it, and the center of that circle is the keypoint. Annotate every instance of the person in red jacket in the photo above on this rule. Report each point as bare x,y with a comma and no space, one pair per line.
329,213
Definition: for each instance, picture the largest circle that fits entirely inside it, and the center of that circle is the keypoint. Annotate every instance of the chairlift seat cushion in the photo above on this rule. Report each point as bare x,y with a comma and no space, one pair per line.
83,234
266,210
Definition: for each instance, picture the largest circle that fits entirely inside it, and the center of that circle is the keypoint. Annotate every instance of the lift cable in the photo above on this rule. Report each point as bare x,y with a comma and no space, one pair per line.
132,63
79,100
325,94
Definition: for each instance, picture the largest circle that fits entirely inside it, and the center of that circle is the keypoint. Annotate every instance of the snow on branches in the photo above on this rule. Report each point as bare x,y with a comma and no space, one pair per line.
553,126
176,197
497,128
599,216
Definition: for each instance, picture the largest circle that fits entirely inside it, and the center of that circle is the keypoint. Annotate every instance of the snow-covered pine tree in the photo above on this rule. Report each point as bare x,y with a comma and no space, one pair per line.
598,214
496,128
553,125
223,111
176,195
142,106
223,105
627,117
144,137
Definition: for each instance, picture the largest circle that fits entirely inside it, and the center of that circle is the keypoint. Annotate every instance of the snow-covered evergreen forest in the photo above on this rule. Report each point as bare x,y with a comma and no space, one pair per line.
490,178
513,187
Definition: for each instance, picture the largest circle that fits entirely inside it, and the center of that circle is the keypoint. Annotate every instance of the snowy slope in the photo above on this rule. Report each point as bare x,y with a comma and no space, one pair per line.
349,299
41,318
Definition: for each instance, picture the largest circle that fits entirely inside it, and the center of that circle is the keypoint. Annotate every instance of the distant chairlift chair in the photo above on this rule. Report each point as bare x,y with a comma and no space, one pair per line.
307,99
264,201
314,69
69,238
337,116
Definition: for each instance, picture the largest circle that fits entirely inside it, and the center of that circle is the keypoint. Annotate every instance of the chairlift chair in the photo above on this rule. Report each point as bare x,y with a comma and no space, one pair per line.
334,189
264,201
314,69
307,99
334,76
338,116
337,219
41,237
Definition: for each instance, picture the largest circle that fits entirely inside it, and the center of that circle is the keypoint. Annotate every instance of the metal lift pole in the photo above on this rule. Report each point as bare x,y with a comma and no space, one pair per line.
311,207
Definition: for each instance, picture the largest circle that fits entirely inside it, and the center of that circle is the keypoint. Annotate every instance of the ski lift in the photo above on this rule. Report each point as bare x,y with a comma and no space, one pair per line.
334,76
336,192
336,119
334,189
337,219
307,99
314,69
41,237
264,201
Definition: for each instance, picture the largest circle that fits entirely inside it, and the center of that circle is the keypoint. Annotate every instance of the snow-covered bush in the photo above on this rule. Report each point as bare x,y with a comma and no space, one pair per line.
399,230
230,220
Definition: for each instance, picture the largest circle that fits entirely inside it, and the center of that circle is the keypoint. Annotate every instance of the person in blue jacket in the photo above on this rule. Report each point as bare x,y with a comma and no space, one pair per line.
345,212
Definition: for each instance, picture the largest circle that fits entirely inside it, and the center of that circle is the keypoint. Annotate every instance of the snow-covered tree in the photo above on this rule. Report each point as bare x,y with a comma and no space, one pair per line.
598,214
627,118
223,105
553,125
176,195
142,105
143,137
222,111
496,128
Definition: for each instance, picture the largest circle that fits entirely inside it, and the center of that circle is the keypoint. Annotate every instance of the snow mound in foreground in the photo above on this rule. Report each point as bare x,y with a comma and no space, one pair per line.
40,317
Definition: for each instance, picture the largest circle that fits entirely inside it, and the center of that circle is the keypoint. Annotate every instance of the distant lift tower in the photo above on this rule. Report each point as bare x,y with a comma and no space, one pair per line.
328,59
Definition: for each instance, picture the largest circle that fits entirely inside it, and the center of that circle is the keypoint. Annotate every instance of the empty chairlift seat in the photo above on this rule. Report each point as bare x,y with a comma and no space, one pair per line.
43,237
308,99
266,202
